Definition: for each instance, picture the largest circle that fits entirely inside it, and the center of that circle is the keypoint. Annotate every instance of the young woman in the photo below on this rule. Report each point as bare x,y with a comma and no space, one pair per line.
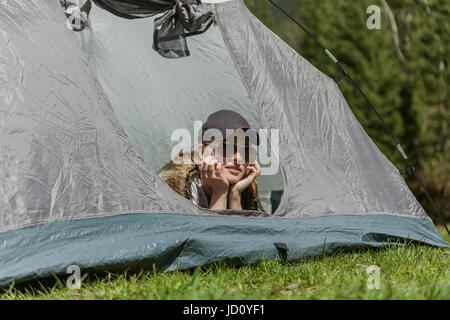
215,180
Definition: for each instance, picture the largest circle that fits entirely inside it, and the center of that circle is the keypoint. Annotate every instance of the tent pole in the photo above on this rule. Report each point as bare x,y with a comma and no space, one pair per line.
410,168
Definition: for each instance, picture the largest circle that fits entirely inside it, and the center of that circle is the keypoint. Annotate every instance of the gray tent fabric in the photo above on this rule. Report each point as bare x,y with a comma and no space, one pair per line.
64,153
332,166
75,187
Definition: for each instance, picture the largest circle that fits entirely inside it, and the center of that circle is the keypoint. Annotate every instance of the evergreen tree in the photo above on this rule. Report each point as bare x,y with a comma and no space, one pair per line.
425,31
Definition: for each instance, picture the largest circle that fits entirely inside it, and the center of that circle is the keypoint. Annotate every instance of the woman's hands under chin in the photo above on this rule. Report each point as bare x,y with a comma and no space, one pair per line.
254,170
234,194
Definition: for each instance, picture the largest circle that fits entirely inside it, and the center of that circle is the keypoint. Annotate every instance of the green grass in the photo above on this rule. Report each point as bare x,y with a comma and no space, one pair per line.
408,271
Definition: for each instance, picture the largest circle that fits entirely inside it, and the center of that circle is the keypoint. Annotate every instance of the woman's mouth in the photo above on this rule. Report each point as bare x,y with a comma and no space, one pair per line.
233,169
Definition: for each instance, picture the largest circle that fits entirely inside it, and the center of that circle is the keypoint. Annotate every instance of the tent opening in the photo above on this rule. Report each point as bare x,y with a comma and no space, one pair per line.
154,97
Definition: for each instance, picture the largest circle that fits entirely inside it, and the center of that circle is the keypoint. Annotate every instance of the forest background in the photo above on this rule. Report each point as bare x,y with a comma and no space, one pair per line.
402,67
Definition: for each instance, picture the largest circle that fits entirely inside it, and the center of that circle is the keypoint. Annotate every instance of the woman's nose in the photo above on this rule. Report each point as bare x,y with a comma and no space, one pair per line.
238,158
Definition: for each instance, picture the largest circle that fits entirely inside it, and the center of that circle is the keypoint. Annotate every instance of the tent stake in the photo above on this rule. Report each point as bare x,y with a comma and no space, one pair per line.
345,74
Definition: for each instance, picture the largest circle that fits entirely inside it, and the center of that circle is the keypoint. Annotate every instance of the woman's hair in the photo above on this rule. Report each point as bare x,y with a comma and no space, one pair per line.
177,175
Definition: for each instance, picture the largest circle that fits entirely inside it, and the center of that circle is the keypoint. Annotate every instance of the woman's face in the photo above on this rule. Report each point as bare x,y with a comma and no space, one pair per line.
233,168
234,160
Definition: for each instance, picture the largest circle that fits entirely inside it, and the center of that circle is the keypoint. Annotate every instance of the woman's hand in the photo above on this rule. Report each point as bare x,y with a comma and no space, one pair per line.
212,176
234,194
214,182
254,170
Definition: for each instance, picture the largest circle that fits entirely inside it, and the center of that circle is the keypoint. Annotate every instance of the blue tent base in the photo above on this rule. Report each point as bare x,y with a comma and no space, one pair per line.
172,241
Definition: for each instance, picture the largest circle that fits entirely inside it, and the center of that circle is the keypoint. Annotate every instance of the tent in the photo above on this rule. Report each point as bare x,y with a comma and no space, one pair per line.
86,120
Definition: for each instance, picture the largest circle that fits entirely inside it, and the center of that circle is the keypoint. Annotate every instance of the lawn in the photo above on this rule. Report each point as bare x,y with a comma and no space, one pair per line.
408,271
